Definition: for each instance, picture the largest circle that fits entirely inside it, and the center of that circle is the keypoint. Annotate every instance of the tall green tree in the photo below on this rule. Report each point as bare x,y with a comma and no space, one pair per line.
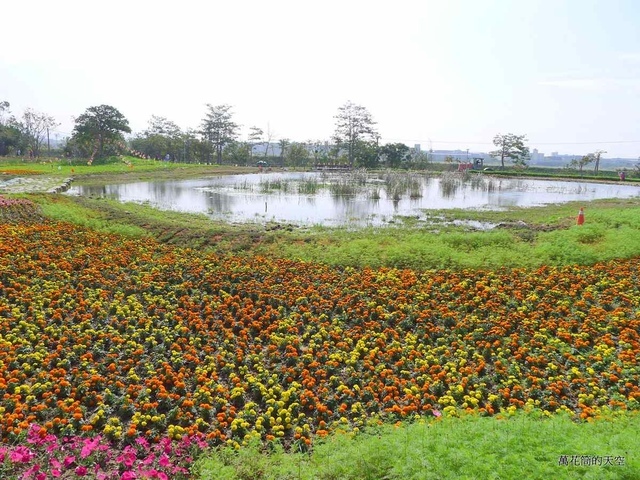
100,130
218,128
162,137
297,154
354,129
511,147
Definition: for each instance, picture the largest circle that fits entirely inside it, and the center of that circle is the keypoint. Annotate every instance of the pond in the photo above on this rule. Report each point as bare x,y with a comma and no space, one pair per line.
352,198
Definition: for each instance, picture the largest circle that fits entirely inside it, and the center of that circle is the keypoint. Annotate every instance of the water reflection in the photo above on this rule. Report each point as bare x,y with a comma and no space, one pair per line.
334,200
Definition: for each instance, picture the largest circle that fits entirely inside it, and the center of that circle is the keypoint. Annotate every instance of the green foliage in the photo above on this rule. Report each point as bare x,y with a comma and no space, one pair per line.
9,131
581,162
73,213
99,132
163,137
9,139
297,155
237,153
366,154
218,128
547,236
529,237
512,147
524,445
395,154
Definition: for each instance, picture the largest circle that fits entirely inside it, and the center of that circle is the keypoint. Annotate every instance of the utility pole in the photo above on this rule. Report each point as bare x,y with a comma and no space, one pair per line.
48,144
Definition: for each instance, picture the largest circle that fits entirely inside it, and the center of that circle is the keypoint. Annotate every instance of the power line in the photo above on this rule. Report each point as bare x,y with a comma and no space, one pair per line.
587,143
469,142
474,142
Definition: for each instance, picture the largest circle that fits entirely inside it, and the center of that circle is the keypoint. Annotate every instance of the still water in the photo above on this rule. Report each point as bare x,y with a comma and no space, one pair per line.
313,198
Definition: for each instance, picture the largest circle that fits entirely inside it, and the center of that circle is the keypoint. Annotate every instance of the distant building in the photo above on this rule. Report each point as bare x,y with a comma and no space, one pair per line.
439,156
536,157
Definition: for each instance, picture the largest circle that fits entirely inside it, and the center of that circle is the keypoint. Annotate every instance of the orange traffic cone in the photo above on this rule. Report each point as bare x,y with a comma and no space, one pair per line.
581,216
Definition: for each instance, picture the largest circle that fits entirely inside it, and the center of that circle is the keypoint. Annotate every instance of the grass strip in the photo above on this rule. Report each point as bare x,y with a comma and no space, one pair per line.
526,237
525,445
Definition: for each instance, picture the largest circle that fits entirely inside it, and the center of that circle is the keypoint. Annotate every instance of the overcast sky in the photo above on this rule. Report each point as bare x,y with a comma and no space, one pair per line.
441,73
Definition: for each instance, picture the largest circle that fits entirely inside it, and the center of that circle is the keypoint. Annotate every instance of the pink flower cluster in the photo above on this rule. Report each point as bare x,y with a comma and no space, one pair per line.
13,210
10,202
46,456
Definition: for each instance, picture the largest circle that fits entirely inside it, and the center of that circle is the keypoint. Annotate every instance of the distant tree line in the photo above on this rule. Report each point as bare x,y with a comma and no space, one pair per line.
100,131
27,134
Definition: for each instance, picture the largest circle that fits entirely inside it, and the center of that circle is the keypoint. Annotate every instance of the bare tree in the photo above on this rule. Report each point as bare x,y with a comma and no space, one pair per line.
270,135
35,128
596,156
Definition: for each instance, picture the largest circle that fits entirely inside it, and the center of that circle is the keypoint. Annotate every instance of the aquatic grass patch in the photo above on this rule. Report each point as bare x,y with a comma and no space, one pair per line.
402,184
268,185
309,186
343,187
357,176
450,182
374,193
244,185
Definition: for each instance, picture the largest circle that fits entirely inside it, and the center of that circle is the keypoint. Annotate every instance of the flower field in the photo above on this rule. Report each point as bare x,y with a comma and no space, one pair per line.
18,171
136,341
